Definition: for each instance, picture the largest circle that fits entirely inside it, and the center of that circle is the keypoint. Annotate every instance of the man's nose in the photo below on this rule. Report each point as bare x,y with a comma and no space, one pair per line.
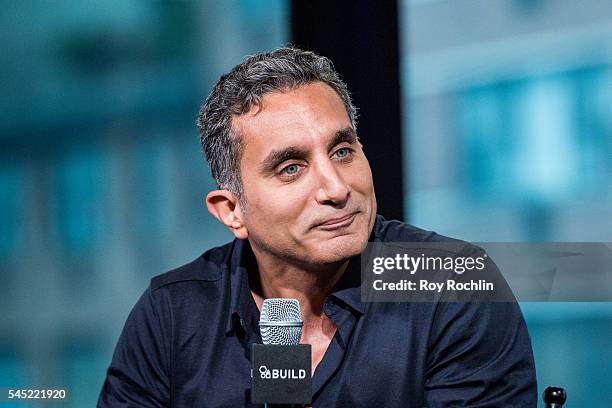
332,188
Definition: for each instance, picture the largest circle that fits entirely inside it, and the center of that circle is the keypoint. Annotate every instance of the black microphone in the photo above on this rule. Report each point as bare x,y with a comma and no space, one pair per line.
554,397
281,367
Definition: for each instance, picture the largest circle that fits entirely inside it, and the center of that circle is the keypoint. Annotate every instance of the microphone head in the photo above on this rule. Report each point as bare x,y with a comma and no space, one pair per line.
280,321
554,396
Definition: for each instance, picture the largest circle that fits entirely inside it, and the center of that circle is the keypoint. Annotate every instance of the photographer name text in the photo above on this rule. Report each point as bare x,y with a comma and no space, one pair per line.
430,286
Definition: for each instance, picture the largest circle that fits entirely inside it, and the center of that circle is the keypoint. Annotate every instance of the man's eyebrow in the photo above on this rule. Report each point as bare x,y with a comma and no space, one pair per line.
347,134
276,157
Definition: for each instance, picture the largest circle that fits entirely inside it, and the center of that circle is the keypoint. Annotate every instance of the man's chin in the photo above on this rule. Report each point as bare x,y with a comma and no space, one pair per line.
338,249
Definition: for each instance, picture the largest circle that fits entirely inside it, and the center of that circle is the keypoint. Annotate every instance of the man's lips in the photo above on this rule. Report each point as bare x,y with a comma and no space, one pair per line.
337,222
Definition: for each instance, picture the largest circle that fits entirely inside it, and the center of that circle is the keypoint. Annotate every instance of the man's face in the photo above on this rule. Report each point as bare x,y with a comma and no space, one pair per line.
308,185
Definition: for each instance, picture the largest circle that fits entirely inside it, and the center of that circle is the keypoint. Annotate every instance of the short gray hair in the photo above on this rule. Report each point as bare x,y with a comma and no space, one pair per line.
243,87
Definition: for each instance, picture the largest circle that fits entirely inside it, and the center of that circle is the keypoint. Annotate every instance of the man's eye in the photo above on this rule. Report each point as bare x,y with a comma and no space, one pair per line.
291,169
342,153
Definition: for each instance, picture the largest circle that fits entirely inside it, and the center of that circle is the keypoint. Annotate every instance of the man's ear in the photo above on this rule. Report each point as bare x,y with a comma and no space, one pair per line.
225,207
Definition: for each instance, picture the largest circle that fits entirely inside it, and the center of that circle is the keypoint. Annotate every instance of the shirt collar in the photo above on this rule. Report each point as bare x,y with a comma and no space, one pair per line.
242,303
348,287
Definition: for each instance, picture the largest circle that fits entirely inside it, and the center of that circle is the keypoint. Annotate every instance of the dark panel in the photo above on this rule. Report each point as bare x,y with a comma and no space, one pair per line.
361,38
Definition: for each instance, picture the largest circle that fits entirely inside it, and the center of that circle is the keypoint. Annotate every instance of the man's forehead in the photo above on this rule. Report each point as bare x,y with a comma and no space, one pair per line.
298,116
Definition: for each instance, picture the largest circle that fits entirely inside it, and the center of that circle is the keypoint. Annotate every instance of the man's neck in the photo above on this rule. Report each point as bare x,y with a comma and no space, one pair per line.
310,286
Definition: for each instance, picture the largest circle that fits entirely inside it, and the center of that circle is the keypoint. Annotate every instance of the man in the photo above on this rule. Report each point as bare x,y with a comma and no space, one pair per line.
295,188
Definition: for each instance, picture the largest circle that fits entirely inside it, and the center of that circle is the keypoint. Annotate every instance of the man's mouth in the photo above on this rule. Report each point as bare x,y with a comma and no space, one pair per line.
337,222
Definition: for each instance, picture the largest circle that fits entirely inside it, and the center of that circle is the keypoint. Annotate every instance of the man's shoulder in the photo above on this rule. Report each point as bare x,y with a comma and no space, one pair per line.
399,231
395,231
208,267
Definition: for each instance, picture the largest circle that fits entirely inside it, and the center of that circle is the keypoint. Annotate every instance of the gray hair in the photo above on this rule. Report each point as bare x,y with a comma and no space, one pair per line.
242,88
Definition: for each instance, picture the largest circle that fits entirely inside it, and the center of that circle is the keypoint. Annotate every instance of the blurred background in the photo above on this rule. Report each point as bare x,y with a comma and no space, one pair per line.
503,119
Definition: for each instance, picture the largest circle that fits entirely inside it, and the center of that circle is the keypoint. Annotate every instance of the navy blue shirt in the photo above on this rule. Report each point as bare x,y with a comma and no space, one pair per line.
187,343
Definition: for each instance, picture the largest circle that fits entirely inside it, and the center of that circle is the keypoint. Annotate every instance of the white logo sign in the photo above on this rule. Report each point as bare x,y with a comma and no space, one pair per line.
281,373
264,372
